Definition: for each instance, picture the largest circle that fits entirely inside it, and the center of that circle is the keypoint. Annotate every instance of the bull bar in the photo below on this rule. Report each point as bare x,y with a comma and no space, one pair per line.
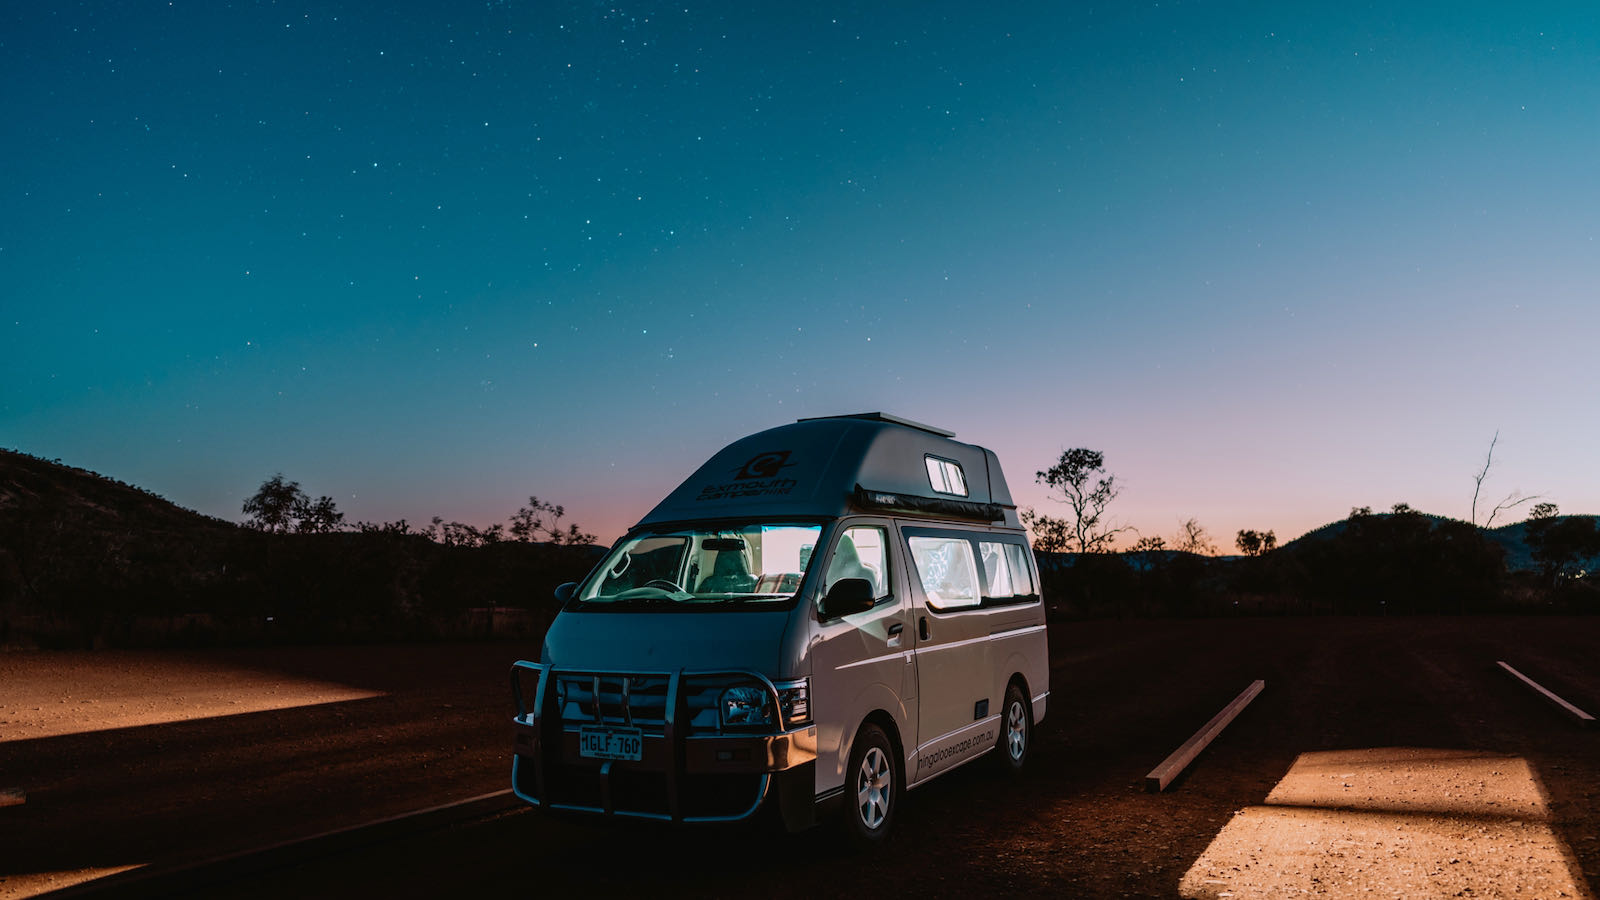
678,757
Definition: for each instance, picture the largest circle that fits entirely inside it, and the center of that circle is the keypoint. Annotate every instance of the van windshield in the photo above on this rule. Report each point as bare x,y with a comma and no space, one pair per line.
704,567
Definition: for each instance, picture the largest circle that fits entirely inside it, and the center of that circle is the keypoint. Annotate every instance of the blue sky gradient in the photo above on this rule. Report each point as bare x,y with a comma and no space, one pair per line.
1274,260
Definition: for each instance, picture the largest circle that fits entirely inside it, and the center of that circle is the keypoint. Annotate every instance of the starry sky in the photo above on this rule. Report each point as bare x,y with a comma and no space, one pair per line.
1274,260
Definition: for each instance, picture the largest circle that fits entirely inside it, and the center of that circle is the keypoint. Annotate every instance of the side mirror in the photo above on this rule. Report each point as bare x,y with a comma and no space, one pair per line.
565,592
846,597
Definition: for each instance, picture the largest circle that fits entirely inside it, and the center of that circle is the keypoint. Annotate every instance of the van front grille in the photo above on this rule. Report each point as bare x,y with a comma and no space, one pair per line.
639,700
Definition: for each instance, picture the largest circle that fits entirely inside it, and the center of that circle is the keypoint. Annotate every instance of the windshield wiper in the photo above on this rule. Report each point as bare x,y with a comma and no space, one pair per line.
638,597
741,598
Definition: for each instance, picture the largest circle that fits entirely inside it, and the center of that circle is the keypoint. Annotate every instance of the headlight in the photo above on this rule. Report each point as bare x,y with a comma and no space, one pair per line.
794,699
745,706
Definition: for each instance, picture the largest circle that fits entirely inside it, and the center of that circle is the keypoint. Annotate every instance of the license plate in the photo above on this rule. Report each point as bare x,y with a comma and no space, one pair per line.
597,742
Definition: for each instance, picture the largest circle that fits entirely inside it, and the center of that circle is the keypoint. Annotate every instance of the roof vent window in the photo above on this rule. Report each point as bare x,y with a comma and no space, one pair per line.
946,476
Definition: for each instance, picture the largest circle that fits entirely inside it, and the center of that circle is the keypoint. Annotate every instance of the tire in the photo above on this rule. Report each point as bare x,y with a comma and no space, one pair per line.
873,787
1016,731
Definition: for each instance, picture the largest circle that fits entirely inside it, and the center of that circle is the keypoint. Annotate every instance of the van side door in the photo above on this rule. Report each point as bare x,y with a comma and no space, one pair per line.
957,713
861,662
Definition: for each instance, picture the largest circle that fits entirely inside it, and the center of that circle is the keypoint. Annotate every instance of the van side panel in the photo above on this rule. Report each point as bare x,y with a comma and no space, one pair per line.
1021,652
834,734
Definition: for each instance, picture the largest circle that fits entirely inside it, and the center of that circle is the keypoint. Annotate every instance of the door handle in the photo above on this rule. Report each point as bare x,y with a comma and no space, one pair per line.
896,628
922,627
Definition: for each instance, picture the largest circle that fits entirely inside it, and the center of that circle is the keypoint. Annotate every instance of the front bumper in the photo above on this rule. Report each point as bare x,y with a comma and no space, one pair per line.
687,771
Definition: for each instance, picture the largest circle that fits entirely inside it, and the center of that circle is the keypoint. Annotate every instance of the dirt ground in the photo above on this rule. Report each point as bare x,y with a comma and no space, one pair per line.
1385,758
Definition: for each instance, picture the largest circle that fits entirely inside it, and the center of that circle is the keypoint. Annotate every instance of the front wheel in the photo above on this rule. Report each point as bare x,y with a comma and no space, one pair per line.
1016,730
874,788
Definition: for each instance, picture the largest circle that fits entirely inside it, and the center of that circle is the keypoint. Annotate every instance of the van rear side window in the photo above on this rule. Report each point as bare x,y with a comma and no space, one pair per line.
949,574
1021,571
1006,574
962,570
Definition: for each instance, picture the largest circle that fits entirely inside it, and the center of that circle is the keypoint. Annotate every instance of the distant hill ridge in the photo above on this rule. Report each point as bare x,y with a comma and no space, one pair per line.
1512,538
30,484
87,560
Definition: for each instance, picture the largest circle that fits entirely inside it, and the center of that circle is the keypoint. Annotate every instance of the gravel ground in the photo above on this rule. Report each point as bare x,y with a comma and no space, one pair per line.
1386,758
434,730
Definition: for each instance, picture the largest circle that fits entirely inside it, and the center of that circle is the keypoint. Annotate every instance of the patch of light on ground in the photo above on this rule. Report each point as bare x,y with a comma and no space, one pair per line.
53,694
1392,822
36,883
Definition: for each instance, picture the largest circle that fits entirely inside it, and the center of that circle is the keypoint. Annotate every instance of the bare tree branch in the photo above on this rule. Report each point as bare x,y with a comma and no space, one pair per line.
1512,501
1477,480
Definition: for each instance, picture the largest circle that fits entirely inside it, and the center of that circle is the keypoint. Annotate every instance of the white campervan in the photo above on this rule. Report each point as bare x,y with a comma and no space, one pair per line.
833,610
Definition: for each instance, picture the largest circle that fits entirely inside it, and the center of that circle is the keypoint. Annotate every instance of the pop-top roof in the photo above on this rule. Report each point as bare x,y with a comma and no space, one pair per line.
828,467
885,417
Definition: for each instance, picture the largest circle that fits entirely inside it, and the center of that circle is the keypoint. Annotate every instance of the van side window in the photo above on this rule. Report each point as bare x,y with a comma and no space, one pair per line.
948,572
1021,571
996,570
1006,574
861,553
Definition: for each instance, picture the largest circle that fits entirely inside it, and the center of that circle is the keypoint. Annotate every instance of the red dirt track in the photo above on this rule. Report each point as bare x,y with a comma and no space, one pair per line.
1077,824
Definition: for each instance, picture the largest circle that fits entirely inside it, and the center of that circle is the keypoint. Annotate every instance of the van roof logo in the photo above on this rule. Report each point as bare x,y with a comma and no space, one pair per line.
764,465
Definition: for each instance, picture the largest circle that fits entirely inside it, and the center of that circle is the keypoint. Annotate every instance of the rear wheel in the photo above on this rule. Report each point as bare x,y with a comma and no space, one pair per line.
872,793
1016,730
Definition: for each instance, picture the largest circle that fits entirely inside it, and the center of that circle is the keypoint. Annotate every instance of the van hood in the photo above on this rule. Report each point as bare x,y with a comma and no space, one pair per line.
644,641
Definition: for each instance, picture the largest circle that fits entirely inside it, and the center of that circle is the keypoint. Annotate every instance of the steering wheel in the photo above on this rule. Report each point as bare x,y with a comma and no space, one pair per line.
664,584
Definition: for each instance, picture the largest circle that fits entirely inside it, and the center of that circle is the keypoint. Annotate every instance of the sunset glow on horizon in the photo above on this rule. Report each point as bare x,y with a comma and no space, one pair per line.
1274,263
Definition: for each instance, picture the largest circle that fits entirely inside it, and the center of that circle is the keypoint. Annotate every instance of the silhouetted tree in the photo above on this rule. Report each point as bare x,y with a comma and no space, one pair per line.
1151,551
530,524
1544,510
1256,543
280,506
318,516
1152,544
400,527
1087,496
1192,538
274,505
460,534
1561,544
1050,535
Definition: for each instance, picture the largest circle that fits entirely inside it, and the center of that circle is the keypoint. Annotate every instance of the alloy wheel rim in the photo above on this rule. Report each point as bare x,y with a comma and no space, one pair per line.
873,786
1016,731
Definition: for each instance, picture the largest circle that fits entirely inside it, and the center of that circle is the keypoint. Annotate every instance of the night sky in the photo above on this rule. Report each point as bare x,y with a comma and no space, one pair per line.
1275,260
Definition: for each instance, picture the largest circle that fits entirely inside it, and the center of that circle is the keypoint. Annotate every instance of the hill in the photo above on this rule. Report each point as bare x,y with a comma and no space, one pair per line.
1512,539
86,559
1370,563
72,541
31,487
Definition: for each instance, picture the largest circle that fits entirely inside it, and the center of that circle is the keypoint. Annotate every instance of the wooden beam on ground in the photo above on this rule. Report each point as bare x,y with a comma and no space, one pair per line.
13,797
1172,766
1582,717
